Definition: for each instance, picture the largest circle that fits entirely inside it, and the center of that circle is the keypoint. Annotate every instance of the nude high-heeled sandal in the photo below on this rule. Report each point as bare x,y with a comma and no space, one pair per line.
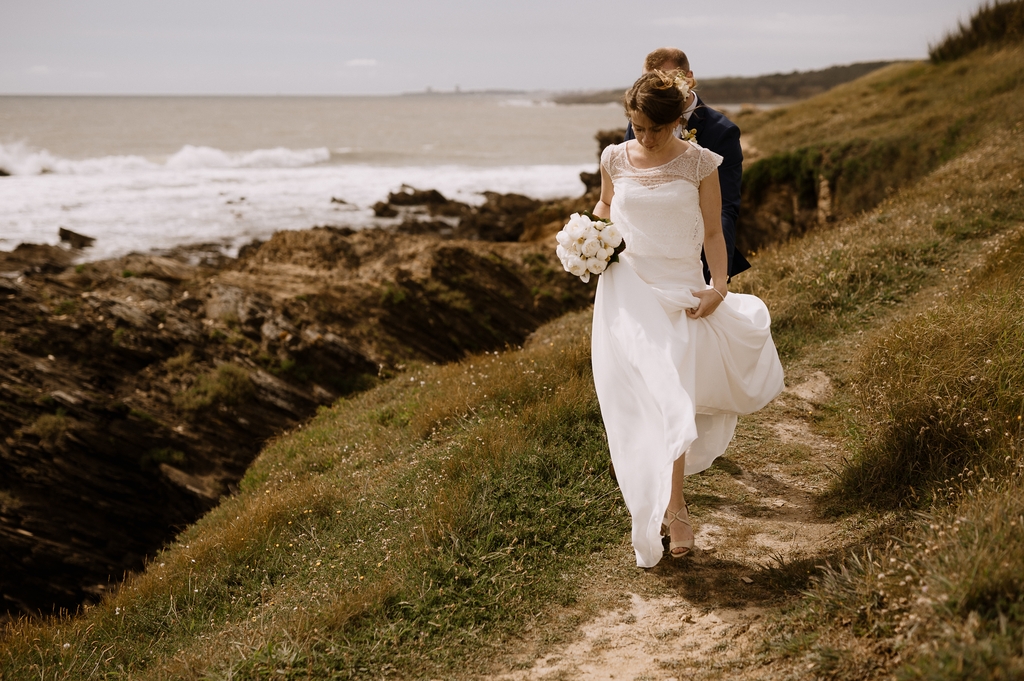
678,549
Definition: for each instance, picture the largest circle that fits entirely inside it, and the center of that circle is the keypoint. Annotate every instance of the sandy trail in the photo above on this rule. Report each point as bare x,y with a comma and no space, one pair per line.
702,617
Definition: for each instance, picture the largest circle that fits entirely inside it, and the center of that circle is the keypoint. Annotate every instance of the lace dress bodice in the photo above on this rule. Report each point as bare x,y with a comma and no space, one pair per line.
657,210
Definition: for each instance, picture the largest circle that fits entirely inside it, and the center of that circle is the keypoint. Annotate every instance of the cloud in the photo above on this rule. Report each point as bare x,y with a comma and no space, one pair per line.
361,63
40,70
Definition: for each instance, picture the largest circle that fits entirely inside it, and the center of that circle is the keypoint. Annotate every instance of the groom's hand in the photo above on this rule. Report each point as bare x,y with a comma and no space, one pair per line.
709,302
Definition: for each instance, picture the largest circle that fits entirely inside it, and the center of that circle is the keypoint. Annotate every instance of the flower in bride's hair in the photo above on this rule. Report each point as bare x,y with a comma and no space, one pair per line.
683,83
590,247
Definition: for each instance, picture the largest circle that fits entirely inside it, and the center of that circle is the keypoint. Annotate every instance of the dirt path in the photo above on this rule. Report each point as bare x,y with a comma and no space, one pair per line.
701,618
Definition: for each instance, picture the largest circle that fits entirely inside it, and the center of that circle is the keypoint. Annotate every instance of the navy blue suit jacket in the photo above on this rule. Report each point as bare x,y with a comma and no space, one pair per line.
720,135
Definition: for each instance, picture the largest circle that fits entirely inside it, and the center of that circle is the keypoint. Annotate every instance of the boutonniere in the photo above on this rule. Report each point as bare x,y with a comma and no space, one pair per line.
689,135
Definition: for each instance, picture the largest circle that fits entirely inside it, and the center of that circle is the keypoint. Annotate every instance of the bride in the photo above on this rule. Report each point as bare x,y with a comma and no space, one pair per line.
675,360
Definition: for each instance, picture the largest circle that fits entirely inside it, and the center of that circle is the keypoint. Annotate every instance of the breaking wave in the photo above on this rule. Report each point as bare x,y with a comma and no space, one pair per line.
20,159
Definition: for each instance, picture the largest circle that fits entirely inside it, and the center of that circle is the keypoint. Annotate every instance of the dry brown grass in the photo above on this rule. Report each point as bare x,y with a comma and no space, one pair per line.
906,99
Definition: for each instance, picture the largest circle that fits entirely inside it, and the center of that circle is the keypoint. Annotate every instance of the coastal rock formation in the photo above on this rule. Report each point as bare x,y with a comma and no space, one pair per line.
502,217
135,392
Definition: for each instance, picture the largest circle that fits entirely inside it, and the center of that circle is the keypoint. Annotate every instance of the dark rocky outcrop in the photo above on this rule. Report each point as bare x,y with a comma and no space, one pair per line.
75,239
502,217
135,392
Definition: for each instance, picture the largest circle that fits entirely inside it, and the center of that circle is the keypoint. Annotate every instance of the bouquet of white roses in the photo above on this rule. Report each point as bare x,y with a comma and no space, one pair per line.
587,245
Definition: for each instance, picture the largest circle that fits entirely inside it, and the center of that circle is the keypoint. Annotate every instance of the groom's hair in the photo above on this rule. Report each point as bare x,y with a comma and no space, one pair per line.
655,59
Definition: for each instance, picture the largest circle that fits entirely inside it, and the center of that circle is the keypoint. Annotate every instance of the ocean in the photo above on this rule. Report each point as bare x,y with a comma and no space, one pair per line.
155,173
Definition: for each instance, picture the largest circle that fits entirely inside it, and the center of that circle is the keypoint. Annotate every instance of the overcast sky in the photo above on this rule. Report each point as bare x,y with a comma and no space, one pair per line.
391,46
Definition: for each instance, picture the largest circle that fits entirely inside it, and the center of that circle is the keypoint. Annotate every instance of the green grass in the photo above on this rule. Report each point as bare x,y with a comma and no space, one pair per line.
847,276
932,411
402,531
943,601
944,393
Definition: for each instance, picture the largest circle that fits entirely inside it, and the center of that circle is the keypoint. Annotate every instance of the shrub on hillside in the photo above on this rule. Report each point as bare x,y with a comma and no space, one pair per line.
992,24
227,385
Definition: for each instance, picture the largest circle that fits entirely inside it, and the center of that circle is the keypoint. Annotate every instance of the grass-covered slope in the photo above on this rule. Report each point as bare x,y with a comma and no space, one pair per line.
937,397
836,155
402,531
927,290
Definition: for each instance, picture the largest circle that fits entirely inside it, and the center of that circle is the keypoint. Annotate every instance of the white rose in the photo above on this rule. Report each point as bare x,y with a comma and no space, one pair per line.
562,254
611,236
576,265
595,265
590,247
577,223
605,253
599,225
563,239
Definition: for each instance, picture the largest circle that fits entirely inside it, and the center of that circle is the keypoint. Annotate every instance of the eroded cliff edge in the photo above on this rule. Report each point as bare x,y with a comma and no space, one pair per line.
135,392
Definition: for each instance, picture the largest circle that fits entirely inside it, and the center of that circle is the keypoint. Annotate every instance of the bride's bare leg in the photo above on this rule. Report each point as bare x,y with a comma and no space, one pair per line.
679,531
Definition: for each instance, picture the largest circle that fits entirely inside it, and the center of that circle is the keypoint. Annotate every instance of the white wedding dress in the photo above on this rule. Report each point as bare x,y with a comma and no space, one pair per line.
668,384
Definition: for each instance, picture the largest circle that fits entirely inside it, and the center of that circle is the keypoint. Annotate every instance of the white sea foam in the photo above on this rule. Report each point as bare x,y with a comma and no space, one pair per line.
20,159
206,157
205,195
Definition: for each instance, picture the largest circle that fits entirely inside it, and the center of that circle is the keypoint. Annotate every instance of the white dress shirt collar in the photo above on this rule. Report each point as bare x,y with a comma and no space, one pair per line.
688,111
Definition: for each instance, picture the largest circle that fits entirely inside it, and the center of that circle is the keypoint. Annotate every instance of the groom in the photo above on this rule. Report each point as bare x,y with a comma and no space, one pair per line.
720,135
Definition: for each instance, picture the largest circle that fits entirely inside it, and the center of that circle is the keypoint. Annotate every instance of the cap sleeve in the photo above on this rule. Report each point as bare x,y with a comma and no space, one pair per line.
707,163
606,158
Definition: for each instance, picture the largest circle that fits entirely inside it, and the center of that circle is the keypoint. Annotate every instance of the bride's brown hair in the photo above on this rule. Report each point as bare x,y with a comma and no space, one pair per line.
656,95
